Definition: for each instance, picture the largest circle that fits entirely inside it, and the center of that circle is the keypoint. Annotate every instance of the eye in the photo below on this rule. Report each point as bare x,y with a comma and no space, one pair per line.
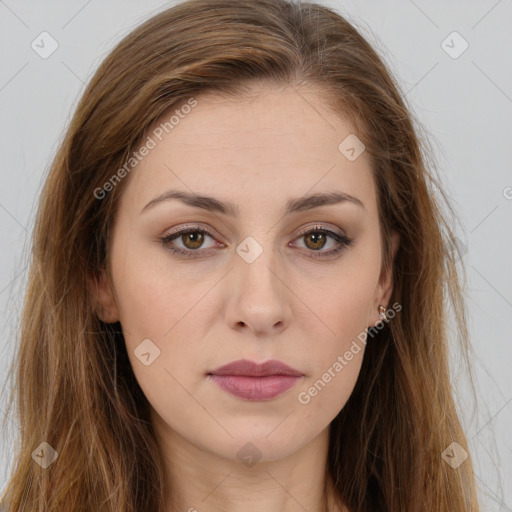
193,238
317,237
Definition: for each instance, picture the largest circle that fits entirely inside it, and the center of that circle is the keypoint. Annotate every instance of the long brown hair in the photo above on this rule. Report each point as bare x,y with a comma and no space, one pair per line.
73,384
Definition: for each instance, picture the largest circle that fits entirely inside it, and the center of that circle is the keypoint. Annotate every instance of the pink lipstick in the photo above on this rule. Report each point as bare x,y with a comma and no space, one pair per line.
255,381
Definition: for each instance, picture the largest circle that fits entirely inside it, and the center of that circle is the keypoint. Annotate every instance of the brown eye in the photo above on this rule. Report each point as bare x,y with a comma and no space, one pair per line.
318,240
189,241
192,239
319,237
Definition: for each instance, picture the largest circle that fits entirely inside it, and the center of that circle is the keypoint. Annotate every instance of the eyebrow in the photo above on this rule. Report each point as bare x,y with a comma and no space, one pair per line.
212,204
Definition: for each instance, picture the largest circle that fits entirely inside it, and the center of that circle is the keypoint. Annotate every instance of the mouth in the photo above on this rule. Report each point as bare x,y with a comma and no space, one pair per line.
255,381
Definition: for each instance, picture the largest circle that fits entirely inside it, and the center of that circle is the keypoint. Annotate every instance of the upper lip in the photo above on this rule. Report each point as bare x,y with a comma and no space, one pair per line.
253,369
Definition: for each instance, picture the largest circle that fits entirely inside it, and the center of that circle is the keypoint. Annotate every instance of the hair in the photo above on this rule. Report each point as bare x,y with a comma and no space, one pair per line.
74,387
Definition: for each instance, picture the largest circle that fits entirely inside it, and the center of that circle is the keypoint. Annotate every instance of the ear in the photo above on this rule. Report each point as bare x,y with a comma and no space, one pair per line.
103,298
385,286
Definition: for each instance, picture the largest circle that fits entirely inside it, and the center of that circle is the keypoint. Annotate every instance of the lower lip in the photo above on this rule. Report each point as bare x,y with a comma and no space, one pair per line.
255,388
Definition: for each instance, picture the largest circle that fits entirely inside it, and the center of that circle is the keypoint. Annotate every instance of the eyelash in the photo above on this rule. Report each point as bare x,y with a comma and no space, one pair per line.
343,240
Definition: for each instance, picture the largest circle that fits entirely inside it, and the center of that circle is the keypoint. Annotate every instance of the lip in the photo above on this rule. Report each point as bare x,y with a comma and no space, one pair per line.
255,381
252,369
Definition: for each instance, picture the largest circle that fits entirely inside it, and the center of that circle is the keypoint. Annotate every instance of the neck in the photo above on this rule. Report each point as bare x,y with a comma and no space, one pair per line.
199,480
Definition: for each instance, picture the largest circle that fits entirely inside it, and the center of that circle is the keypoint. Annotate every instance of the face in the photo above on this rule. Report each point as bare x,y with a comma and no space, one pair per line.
255,273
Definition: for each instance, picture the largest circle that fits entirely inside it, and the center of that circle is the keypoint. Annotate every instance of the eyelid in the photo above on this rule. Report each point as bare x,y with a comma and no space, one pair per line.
334,233
200,227
190,227
318,226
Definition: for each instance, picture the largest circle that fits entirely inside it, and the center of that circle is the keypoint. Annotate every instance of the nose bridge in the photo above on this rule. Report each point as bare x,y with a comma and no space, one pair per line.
256,265
259,299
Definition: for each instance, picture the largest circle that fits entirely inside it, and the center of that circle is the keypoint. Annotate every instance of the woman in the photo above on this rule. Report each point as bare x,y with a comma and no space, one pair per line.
236,294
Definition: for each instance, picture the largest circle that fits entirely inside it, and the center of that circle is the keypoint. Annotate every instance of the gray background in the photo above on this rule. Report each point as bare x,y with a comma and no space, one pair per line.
465,103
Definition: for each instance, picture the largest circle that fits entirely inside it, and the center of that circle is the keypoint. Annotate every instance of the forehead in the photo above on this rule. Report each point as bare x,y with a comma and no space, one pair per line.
281,120
270,144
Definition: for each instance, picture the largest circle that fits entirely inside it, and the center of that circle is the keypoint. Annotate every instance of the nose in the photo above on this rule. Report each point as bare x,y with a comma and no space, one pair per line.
259,298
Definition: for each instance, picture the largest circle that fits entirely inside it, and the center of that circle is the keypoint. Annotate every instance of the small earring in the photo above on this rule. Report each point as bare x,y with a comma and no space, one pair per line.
382,312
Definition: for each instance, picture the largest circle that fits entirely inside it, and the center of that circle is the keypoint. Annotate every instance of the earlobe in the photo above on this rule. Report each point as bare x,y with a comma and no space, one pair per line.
103,298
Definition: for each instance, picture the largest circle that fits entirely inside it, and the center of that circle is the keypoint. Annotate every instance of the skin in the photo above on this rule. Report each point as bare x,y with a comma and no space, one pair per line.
206,311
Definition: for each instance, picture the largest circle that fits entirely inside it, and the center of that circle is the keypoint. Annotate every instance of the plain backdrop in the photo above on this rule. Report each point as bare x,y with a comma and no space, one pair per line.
453,61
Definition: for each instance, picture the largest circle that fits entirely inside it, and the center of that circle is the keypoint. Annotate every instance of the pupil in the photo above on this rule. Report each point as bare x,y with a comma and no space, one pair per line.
195,238
317,238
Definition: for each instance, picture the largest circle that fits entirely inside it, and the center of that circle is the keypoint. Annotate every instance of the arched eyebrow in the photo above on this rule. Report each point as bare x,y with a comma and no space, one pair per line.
213,204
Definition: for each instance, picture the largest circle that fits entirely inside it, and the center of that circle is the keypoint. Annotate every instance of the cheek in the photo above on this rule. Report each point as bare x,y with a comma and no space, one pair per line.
339,350
156,309
151,293
336,361
343,303
161,303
